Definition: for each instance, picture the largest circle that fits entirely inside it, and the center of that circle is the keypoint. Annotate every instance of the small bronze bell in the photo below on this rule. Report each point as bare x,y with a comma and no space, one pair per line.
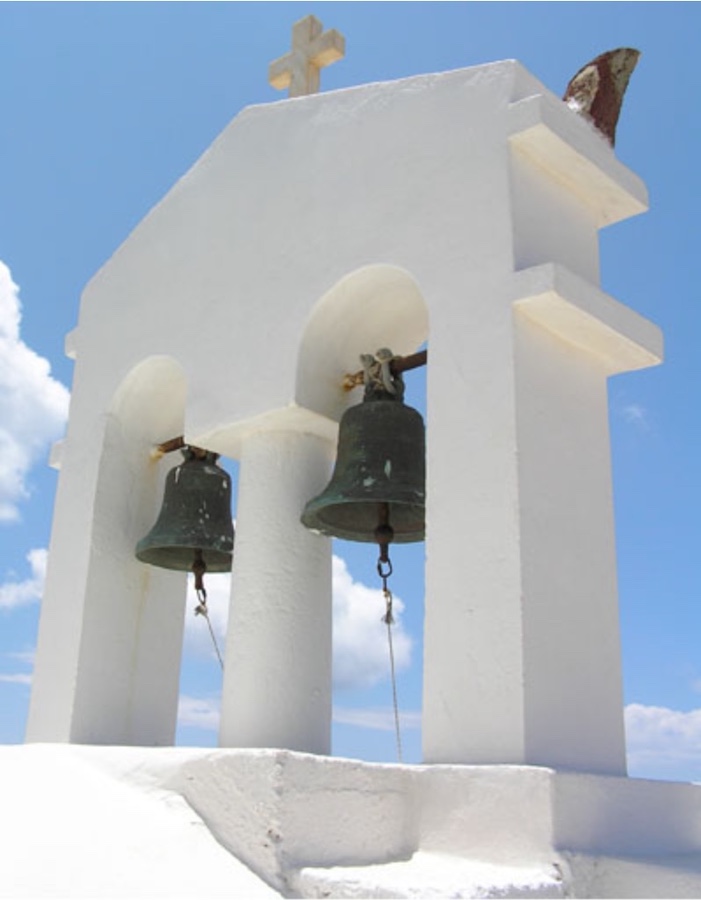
380,473
194,525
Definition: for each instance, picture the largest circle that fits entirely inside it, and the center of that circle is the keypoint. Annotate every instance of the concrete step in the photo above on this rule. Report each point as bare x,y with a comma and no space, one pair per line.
428,875
435,875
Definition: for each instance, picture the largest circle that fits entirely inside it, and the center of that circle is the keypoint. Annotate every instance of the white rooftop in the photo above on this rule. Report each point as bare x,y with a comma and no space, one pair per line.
127,822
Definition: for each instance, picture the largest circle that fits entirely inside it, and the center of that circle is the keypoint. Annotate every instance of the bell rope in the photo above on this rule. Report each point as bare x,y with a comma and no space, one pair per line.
199,567
384,534
384,569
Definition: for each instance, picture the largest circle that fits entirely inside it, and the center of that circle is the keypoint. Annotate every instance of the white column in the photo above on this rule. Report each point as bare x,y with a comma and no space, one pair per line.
521,645
108,655
110,638
277,680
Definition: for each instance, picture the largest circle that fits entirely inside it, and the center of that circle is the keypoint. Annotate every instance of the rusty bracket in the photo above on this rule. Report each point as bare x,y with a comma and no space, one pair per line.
398,364
176,443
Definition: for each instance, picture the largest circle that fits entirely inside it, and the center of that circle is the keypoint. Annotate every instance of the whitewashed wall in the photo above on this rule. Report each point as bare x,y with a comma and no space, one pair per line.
311,231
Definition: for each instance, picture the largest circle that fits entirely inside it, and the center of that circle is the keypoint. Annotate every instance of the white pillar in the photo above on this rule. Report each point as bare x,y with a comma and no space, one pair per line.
110,642
277,679
521,645
110,638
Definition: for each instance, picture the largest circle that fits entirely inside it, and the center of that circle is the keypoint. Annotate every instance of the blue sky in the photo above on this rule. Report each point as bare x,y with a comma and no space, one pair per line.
103,106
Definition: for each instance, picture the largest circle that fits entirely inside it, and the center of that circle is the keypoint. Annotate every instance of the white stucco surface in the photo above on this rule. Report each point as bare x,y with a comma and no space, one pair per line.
70,829
279,637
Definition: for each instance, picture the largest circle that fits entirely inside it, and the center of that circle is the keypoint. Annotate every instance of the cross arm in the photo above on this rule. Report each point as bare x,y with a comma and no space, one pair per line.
327,48
280,72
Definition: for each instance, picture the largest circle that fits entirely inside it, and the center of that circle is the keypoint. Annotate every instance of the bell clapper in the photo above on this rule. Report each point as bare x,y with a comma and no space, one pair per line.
199,567
384,534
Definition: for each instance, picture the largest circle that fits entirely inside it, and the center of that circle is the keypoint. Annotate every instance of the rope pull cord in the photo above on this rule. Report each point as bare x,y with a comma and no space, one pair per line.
199,567
384,534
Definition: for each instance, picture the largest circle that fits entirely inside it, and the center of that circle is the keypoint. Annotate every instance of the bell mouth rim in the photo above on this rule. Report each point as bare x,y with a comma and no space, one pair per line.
408,537
312,520
170,556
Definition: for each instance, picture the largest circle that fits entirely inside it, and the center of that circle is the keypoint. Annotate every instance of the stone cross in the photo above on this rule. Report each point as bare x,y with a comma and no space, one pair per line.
298,70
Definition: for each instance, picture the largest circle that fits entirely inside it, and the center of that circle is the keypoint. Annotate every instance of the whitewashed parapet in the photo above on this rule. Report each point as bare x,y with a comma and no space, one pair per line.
577,157
581,314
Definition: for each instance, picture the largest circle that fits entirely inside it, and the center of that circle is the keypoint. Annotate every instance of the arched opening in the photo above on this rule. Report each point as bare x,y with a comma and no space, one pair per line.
199,702
376,306
148,409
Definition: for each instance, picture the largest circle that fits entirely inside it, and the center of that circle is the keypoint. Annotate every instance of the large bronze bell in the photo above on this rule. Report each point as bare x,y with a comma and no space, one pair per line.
380,473
194,524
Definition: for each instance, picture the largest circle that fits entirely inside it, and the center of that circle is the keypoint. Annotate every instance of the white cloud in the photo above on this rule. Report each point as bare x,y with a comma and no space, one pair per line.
360,648
23,656
635,414
202,713
376,719
663,742
21,593
17,678
33,405
360,645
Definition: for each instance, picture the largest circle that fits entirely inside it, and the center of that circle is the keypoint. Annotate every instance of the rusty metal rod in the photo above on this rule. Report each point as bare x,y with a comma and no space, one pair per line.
176,443
413,361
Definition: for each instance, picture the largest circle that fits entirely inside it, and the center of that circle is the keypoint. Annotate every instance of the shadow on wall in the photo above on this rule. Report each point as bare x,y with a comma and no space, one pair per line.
376,306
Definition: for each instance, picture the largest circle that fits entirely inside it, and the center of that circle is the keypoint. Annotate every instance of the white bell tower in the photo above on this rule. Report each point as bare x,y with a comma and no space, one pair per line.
462,208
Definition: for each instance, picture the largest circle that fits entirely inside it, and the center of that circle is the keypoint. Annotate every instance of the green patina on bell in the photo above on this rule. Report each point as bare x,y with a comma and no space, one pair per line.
195,519
379,479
